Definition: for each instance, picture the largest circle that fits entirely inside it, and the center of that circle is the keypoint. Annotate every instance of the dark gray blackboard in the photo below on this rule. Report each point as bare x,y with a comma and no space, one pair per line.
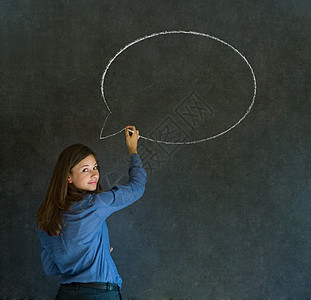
225,219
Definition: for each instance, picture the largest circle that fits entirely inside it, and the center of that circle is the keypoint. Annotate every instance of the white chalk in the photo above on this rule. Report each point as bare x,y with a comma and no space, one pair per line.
130,130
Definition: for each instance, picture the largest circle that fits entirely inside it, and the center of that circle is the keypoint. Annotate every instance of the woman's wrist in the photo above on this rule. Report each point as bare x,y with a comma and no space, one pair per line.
133,151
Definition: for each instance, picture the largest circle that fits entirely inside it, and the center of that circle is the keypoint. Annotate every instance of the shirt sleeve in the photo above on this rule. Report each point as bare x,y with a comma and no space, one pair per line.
48,265
122,196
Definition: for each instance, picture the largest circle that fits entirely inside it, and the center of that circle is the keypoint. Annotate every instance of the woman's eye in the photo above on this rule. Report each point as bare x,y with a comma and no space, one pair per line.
95,168
84,170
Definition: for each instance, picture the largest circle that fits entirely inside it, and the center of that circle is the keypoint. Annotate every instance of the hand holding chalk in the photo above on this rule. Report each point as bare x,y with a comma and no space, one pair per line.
131,136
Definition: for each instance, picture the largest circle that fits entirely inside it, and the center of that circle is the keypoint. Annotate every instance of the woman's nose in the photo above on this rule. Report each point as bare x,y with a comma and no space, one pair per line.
94,173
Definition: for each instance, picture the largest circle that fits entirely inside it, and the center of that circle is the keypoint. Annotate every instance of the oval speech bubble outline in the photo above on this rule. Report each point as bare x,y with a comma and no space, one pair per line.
178,32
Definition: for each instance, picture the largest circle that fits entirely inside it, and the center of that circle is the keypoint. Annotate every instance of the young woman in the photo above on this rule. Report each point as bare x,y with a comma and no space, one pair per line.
72,227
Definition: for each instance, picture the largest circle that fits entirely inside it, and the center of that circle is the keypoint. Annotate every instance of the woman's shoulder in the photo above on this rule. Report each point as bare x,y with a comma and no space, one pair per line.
86,202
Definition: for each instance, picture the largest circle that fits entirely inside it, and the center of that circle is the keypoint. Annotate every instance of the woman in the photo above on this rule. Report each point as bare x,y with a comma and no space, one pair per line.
72,227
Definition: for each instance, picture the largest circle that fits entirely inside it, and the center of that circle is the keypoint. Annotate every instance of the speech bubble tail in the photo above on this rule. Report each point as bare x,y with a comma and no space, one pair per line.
106,130
103,133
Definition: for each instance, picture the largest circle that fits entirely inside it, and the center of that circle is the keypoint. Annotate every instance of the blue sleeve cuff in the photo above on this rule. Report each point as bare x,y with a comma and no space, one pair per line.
135,160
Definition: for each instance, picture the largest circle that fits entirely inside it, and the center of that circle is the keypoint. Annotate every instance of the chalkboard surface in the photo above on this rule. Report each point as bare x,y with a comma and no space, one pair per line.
227,218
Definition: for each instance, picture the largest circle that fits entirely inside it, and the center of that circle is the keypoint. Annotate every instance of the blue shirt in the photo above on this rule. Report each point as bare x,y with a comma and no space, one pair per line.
82,252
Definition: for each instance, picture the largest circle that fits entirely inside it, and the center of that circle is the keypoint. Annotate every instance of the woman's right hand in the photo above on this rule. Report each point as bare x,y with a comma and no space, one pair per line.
131,137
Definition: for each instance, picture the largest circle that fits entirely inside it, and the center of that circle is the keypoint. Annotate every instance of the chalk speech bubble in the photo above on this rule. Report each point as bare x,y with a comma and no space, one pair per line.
133,67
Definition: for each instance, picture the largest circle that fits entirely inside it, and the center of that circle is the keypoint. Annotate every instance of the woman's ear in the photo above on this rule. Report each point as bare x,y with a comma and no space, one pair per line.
69,179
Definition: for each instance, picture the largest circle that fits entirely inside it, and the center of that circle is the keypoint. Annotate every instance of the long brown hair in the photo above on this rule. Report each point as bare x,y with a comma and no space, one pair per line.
61,195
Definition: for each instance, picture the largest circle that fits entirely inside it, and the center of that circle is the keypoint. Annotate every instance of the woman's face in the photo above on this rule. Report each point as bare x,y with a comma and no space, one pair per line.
85,174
